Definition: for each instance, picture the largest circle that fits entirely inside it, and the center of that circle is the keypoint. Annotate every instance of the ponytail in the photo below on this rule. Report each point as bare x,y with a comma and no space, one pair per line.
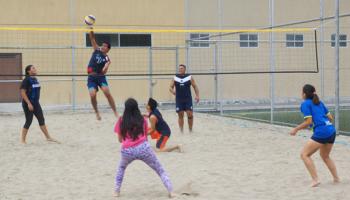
310,93
315,99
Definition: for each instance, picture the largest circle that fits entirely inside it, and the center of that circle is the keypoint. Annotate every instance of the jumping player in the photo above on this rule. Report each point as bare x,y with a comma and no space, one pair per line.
30,92
159,128
316,114
97,69
182,83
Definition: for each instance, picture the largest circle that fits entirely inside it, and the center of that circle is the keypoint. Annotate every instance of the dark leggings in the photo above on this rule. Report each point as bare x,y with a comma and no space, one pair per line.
38,112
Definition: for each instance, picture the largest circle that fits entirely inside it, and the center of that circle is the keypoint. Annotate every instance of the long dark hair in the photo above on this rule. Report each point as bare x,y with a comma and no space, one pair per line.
27,69
310,93
152,103
132,120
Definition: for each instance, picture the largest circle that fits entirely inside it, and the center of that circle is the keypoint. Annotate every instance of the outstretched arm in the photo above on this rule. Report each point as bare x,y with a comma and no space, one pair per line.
196,90
305,124
93,39
171,88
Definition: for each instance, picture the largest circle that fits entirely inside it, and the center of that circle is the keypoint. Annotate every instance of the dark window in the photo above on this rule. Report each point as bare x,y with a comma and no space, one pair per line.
294,40
248,40
342,40
135,40
112,38
203,37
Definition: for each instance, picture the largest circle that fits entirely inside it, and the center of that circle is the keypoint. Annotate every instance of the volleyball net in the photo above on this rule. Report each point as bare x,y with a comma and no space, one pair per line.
153,52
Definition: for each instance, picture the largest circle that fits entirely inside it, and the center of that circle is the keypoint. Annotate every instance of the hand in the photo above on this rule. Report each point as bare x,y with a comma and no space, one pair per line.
293,132
196,99
30,107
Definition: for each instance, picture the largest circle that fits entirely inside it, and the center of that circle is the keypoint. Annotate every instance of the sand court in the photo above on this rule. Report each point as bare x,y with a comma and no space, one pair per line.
224,158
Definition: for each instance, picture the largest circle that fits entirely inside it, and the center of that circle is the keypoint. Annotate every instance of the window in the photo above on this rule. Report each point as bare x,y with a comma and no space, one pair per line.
248,40
199,36
342,40
122,40
112,38
295,40
135,40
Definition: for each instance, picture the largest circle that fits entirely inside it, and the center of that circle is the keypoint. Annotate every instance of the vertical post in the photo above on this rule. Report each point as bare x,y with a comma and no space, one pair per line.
272,60
177,57
322,47
337,100
72,15
150,72
188,55
218,86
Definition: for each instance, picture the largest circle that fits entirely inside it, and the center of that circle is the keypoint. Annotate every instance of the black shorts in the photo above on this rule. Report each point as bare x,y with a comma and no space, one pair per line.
328,140
184,106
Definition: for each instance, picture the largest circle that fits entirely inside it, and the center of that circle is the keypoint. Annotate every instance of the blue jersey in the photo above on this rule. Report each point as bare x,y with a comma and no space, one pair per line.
183,87
161,126
323,128
97,62
32,87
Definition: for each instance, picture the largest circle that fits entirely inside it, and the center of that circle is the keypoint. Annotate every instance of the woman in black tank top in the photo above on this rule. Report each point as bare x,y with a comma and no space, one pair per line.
159,128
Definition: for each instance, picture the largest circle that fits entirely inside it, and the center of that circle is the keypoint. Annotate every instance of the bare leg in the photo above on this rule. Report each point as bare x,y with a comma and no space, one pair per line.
181,120
94,102
110,100
170,149
324,153
190,119
46,133
310,148
24,135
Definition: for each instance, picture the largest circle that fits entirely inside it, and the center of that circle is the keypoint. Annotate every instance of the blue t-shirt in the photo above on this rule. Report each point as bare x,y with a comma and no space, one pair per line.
97,62
32,87
323,128
183,87
161,126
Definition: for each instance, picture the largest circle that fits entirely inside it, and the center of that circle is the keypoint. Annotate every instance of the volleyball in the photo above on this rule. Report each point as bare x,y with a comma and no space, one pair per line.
89,20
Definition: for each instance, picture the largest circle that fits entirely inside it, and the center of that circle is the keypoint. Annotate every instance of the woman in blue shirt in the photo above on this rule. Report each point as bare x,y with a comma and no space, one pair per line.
30,92
316,114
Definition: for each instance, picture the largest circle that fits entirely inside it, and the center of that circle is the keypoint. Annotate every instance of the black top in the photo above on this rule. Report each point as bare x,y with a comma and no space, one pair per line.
161,126
97,62
32,87
183,87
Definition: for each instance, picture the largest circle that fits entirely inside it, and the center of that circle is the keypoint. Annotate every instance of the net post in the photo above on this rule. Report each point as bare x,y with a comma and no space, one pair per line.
73,62
337,66
150,72
216,61
272,62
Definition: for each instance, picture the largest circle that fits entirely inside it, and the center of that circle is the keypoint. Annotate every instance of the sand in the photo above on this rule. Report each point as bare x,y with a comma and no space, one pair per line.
224,158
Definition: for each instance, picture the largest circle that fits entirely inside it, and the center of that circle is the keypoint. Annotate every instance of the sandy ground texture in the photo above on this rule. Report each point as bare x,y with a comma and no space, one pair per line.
224,158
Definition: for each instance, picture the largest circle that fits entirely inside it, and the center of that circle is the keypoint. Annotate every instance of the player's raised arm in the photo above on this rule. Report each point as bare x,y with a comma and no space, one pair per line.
93,39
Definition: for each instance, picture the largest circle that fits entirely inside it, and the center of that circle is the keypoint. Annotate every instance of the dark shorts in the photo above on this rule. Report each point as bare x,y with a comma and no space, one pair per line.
184,106
96,81
329,140
161,142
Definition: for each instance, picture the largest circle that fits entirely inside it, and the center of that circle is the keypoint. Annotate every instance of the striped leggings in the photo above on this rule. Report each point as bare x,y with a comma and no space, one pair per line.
145,153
